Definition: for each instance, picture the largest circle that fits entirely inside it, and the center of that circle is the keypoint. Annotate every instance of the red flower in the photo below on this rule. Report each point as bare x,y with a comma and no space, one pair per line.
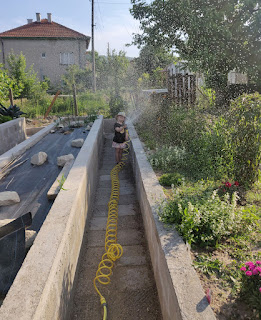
236,184
228,184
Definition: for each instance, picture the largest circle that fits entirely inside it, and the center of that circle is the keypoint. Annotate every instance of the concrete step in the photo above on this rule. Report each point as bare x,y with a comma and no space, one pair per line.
123,190
107,177
128,237
107,183
124,222
123,210
124,199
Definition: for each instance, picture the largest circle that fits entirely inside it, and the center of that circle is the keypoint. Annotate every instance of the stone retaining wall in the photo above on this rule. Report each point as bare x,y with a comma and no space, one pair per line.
12,133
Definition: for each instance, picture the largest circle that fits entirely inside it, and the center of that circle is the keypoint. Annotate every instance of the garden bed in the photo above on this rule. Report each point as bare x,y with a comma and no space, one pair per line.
219,267
209,167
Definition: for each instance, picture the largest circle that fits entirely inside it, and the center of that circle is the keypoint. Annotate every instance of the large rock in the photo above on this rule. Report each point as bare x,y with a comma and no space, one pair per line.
5,221
30,235
8,198
78,143
39,158
88,128
63,159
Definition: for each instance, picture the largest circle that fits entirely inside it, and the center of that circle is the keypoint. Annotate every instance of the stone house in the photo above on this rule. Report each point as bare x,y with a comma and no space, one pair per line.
48,46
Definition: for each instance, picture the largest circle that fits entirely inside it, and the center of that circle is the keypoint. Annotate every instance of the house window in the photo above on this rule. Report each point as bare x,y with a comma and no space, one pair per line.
43,55
66,58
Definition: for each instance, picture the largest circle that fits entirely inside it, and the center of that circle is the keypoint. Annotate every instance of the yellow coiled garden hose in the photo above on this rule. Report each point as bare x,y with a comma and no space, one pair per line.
113,250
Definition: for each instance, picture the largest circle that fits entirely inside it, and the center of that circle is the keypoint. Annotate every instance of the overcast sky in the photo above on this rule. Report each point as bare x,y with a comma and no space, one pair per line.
114,23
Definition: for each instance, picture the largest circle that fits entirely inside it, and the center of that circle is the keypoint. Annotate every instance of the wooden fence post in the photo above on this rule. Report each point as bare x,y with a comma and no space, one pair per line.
11,97
75,101
52,103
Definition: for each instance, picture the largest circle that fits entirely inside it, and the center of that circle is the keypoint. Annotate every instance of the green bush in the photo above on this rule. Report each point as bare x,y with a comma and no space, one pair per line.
168,158
209,220
202,139
4,118
12,111
169,179
116,104
245,132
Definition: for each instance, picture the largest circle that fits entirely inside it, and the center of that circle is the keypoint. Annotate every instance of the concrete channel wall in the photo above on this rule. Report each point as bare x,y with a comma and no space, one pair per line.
179,288
43,287
12,133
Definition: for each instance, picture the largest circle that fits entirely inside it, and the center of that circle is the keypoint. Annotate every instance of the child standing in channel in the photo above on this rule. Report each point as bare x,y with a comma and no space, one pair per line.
120,136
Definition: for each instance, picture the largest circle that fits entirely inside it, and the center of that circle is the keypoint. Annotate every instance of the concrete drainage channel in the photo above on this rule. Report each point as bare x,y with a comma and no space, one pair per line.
44,287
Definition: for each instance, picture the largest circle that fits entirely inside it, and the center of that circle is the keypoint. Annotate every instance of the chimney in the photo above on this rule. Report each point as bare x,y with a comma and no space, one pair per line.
49,15
38,17
29,21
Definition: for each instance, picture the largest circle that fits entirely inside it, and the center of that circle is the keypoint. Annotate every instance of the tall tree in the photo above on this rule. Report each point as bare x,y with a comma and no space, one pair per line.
117,65
213,36
25,79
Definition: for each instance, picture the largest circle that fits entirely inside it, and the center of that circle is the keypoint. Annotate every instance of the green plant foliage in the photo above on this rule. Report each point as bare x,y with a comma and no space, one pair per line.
4,118
208,265
116,104
24,79
245,132
169,179
168,158
12,111
208,221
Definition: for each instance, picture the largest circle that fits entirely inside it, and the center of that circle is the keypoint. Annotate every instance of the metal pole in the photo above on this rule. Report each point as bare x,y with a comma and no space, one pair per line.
93,52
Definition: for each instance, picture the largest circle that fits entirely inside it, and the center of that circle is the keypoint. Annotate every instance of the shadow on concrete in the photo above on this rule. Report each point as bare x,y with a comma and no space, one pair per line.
66,295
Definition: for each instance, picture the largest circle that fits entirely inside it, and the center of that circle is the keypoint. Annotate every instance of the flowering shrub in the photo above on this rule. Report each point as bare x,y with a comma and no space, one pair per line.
203,218
228,187
251,284
205,223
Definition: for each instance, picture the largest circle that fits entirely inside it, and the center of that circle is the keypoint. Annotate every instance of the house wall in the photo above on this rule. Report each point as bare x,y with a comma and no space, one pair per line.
50,65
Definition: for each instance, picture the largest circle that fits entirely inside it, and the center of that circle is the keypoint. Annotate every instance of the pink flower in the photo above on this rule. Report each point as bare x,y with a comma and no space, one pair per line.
249,263
258,269
260,289
255,271
249,273
243,269
258,262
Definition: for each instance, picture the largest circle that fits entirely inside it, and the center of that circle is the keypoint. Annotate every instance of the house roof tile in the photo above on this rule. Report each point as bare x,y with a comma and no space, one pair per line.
43,29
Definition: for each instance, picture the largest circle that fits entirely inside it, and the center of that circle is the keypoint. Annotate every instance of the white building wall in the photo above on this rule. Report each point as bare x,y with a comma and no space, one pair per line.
49,65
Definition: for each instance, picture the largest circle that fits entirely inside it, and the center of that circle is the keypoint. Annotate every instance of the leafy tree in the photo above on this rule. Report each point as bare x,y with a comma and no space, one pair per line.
117,65
213,36
5,83
151,58
25,80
